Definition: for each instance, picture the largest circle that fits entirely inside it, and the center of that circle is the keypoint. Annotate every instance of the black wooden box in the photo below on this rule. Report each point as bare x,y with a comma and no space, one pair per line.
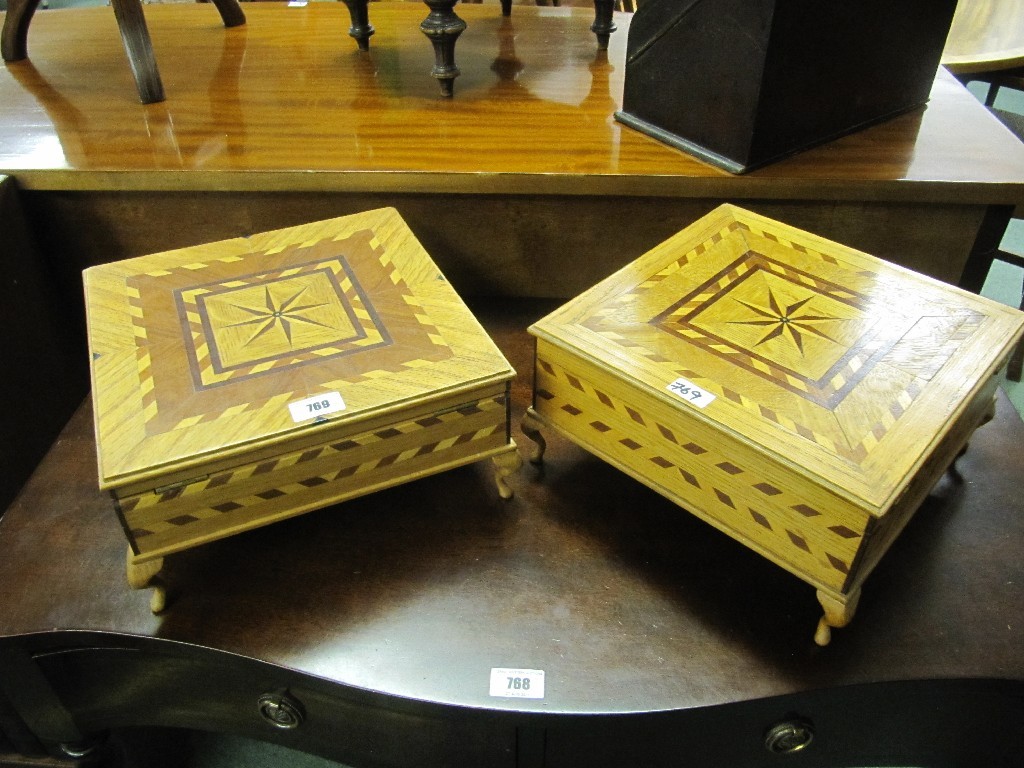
741,83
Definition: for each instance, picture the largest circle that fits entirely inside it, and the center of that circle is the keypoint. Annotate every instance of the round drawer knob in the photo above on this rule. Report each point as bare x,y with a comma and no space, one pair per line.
281,710
789,737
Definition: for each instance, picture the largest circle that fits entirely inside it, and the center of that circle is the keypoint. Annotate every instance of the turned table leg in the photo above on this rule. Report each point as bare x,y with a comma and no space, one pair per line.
603,22
361,29
144,574
506,464
531,425
838,613
443,28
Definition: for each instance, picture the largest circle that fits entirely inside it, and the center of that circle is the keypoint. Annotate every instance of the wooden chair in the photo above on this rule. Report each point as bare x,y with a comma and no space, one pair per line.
134,34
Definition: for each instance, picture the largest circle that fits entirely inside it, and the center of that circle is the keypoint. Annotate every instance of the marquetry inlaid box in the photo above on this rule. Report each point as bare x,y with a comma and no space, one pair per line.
242,382
801,396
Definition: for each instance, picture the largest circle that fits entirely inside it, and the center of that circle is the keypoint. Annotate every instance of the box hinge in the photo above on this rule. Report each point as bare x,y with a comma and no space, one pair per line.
178,485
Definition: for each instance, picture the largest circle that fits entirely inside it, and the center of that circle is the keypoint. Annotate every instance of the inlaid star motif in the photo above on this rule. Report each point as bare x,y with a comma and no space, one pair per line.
785,321
275,314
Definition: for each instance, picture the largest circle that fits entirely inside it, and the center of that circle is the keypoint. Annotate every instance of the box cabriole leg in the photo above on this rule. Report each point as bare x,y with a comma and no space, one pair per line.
839,611
145,574
505,464
530,426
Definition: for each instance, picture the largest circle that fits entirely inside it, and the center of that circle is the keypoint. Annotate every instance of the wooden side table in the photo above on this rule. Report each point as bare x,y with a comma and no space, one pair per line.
134,34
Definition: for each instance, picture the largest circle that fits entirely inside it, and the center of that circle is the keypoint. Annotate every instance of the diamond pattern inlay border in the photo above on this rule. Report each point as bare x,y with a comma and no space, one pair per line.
652,443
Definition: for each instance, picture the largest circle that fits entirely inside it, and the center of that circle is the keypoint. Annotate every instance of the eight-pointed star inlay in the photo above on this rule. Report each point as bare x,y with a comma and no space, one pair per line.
284,313
785,320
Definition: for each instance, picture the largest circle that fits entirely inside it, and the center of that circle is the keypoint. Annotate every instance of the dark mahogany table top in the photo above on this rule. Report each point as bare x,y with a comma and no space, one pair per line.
626,603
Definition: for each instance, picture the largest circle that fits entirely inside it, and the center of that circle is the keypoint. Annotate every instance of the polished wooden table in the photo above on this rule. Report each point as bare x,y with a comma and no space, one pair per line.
281,121
661,639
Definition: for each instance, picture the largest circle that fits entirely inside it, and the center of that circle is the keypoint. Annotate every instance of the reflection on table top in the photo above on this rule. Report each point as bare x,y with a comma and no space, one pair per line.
287,102
986,35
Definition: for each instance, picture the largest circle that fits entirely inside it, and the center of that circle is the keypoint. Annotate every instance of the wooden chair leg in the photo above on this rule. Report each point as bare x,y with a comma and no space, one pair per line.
231,12
14,40
137,44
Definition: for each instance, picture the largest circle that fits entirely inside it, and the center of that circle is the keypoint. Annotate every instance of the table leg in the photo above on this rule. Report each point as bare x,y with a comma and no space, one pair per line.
986,245
443,28
361,29
531,425
604,24
505,464
986,417
839,612
144,574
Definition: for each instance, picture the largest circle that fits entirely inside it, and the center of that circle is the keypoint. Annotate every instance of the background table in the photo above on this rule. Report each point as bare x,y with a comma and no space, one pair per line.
281,121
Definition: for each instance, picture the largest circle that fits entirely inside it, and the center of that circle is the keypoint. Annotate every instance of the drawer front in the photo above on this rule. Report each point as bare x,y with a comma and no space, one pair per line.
796,524
110,688
928,722
168,520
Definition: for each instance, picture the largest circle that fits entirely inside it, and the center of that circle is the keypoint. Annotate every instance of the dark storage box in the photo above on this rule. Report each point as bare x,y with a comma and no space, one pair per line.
741,83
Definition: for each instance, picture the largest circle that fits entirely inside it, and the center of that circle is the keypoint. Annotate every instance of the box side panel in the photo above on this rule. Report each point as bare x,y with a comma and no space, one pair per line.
955,441
309,437
756,500
264,492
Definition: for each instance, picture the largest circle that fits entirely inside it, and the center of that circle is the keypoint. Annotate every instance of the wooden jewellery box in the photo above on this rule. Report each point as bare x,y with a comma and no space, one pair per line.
800,396
243,382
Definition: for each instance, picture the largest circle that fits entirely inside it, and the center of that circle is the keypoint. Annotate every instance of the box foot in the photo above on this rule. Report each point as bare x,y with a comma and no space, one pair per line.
145,574
838,613
530,426
506,464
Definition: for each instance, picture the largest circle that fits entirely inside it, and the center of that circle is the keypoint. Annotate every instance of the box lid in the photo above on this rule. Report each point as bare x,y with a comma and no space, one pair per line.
841,366
199,353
